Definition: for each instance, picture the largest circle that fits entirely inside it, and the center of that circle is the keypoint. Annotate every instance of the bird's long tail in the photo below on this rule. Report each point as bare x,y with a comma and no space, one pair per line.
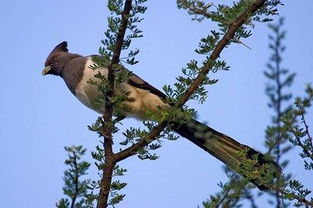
242,158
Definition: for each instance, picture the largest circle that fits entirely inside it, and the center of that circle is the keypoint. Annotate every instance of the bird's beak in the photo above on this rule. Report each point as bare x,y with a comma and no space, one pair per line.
46,70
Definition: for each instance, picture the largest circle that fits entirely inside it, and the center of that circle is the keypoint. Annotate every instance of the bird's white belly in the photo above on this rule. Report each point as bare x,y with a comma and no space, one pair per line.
139,102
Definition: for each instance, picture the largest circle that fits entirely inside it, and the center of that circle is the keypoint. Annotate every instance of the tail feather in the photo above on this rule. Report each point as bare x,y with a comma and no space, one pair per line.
226,149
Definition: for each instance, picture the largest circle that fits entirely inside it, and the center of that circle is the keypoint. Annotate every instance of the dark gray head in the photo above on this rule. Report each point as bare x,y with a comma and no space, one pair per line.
57,59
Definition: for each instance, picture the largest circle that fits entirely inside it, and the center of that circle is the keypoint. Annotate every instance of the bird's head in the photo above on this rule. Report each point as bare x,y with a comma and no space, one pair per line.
56,60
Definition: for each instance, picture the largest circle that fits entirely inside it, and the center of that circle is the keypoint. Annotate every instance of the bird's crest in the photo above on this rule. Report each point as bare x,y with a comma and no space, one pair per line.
61,47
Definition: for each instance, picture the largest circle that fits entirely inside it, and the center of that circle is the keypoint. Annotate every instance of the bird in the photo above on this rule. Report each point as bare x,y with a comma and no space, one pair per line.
77,71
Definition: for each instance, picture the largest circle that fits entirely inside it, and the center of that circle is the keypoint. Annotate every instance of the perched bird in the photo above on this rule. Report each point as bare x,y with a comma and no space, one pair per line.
143,97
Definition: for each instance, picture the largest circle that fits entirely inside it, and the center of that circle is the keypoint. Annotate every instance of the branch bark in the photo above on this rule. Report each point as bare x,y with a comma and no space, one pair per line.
196,82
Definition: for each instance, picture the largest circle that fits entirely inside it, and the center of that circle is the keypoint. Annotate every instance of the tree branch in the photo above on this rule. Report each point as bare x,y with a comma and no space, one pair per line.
110,160
121,32
304,149
196,82
218,49
307,133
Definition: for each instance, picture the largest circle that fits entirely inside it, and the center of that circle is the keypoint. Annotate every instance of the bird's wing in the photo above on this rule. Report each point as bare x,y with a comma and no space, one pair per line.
136,81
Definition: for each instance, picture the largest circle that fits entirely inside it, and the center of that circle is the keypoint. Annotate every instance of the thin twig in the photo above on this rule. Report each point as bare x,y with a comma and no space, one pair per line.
307,130
223,198
304,148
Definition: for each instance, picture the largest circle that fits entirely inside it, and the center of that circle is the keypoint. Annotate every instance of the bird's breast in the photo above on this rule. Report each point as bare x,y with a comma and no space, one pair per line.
88,93
139,101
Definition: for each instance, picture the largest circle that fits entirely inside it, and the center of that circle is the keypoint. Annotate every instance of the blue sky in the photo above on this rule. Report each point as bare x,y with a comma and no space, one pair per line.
39,115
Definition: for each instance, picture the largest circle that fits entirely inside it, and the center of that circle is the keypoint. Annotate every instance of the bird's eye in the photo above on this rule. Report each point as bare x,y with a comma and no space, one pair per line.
54,61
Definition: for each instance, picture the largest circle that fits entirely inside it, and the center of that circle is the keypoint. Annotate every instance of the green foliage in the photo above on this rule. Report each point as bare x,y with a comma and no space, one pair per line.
98,156
232,193
193,69
279,80
295,122
134,135
114,21
74,187
297,190
225,16
277,135
286,131
116,186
